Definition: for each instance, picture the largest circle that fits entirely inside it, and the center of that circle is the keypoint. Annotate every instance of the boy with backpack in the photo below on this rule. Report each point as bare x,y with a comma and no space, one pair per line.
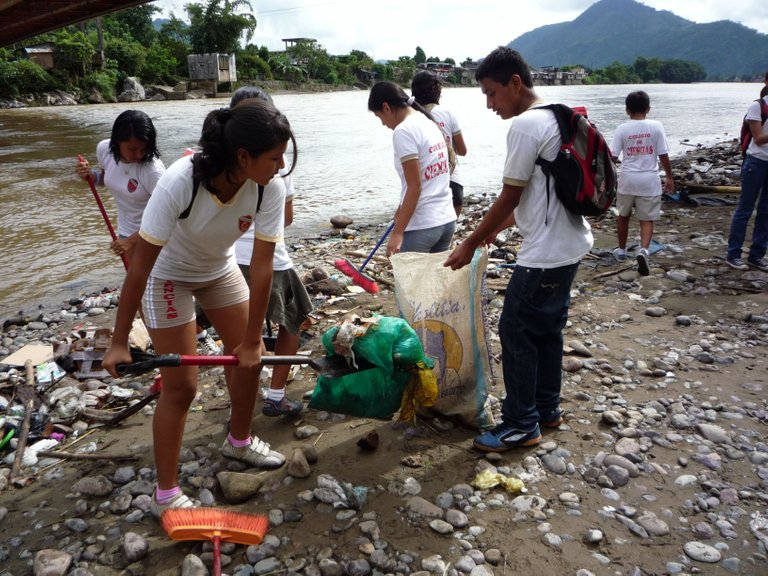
554,242
754,191
642,144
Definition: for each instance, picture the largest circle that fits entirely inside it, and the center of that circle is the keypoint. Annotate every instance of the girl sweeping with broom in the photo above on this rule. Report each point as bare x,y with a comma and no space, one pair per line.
425,219
199,208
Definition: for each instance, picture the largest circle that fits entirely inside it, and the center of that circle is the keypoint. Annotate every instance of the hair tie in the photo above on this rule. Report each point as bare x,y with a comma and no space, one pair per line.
411,100
225,114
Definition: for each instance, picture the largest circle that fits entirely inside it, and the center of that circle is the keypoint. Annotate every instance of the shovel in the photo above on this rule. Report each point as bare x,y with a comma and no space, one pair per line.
330,366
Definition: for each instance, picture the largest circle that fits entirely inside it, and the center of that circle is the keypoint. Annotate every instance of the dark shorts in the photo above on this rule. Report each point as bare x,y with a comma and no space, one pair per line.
458,193
289,302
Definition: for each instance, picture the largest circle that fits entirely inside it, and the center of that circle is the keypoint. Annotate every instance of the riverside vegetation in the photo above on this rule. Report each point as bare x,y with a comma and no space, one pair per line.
661,466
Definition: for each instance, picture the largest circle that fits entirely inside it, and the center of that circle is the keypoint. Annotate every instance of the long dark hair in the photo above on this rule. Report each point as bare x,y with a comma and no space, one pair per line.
134,124
390,93
254,125
426,88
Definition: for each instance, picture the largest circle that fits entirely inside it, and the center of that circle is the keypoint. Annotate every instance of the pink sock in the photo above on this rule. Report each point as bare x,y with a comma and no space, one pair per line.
238,443
165,496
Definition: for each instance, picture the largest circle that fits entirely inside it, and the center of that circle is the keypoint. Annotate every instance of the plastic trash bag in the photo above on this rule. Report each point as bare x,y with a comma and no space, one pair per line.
394,349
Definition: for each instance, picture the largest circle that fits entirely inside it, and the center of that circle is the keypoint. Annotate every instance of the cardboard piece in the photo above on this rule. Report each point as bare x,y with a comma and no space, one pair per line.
38,353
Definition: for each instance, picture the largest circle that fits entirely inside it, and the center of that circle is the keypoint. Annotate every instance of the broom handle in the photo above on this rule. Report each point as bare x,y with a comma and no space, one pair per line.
104,214
217,555
376,247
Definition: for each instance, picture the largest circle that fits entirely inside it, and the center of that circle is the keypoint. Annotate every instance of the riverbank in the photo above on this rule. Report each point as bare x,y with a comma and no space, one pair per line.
661,467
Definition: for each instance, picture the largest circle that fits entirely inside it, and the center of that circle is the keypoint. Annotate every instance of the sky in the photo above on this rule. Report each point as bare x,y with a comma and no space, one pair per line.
458,29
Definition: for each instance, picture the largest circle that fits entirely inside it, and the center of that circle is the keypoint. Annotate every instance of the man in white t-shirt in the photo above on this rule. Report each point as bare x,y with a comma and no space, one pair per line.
642,144
554,241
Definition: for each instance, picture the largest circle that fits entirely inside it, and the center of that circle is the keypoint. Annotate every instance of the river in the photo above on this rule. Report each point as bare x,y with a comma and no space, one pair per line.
54,243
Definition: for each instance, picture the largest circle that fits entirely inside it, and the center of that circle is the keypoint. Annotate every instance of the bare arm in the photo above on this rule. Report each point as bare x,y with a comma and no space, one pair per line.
499,215
407,207
458,144
669,179
144,256
288,219
756,127
250,349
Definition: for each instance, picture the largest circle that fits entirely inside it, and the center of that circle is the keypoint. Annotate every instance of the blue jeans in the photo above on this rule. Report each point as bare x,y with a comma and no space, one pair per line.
754,190
429,240
531,332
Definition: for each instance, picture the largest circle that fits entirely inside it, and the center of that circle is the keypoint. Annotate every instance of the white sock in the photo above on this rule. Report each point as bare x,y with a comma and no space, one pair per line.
203,335
276,395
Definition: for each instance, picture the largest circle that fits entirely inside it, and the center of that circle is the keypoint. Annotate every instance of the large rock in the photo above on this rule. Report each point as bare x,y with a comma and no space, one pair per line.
238,487
132,91
341,221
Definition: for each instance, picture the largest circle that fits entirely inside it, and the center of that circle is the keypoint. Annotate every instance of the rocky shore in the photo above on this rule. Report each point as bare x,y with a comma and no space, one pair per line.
661,466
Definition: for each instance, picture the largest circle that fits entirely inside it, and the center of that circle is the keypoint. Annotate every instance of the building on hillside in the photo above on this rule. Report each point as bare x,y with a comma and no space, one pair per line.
552,76
40,54
441,69
293,47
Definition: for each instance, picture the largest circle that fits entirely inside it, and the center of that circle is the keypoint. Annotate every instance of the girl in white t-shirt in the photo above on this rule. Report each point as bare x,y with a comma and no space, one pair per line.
184,251
426,88
425,219
130,168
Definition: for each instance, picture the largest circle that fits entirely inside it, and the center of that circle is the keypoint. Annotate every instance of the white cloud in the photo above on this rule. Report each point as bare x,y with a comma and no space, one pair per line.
445,28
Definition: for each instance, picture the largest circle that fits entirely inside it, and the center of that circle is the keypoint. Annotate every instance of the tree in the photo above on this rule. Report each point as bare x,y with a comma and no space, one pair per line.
73,52
420,56
138,22
174,37
219,25
682,71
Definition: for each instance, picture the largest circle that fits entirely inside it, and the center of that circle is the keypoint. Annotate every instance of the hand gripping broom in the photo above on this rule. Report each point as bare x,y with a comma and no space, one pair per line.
214,525
356,274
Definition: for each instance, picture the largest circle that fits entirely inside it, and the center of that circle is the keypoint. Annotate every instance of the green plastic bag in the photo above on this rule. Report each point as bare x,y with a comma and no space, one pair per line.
390,344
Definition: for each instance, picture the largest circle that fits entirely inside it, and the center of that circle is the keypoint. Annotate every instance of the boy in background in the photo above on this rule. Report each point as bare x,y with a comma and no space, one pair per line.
641,143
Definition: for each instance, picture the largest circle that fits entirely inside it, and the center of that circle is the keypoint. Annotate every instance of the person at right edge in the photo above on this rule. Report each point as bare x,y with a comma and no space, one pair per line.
754,191
642,144
554,242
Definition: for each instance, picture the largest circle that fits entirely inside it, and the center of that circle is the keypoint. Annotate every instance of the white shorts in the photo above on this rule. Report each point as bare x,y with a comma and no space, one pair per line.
646,207
169,303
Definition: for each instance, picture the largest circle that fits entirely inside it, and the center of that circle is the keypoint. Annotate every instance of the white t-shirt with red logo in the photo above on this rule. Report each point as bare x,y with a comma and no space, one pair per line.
280,185
131,185
450,127
201,247
639,143
417,137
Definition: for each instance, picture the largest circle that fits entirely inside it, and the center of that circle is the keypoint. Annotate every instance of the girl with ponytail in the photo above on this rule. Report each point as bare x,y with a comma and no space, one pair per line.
425,219
199,208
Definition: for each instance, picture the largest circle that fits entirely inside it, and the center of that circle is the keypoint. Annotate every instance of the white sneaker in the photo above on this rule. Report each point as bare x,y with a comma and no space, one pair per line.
208,346
619,254
179,501
257,453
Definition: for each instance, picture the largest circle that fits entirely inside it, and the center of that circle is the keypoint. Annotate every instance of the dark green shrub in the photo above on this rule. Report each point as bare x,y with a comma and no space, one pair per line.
24,77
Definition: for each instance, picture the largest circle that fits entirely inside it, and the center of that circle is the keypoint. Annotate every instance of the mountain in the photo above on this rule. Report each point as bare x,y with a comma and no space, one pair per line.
621,30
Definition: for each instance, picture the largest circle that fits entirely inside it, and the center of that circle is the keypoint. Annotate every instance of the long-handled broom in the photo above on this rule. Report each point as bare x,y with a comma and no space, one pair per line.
356,274
214,525
103,211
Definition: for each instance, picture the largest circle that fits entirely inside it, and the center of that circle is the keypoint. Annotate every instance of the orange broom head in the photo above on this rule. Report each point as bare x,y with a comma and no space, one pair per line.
209,523
363,280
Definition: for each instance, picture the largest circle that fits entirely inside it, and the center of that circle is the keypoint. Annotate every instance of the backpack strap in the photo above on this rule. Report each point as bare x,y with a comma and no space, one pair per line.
196,179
